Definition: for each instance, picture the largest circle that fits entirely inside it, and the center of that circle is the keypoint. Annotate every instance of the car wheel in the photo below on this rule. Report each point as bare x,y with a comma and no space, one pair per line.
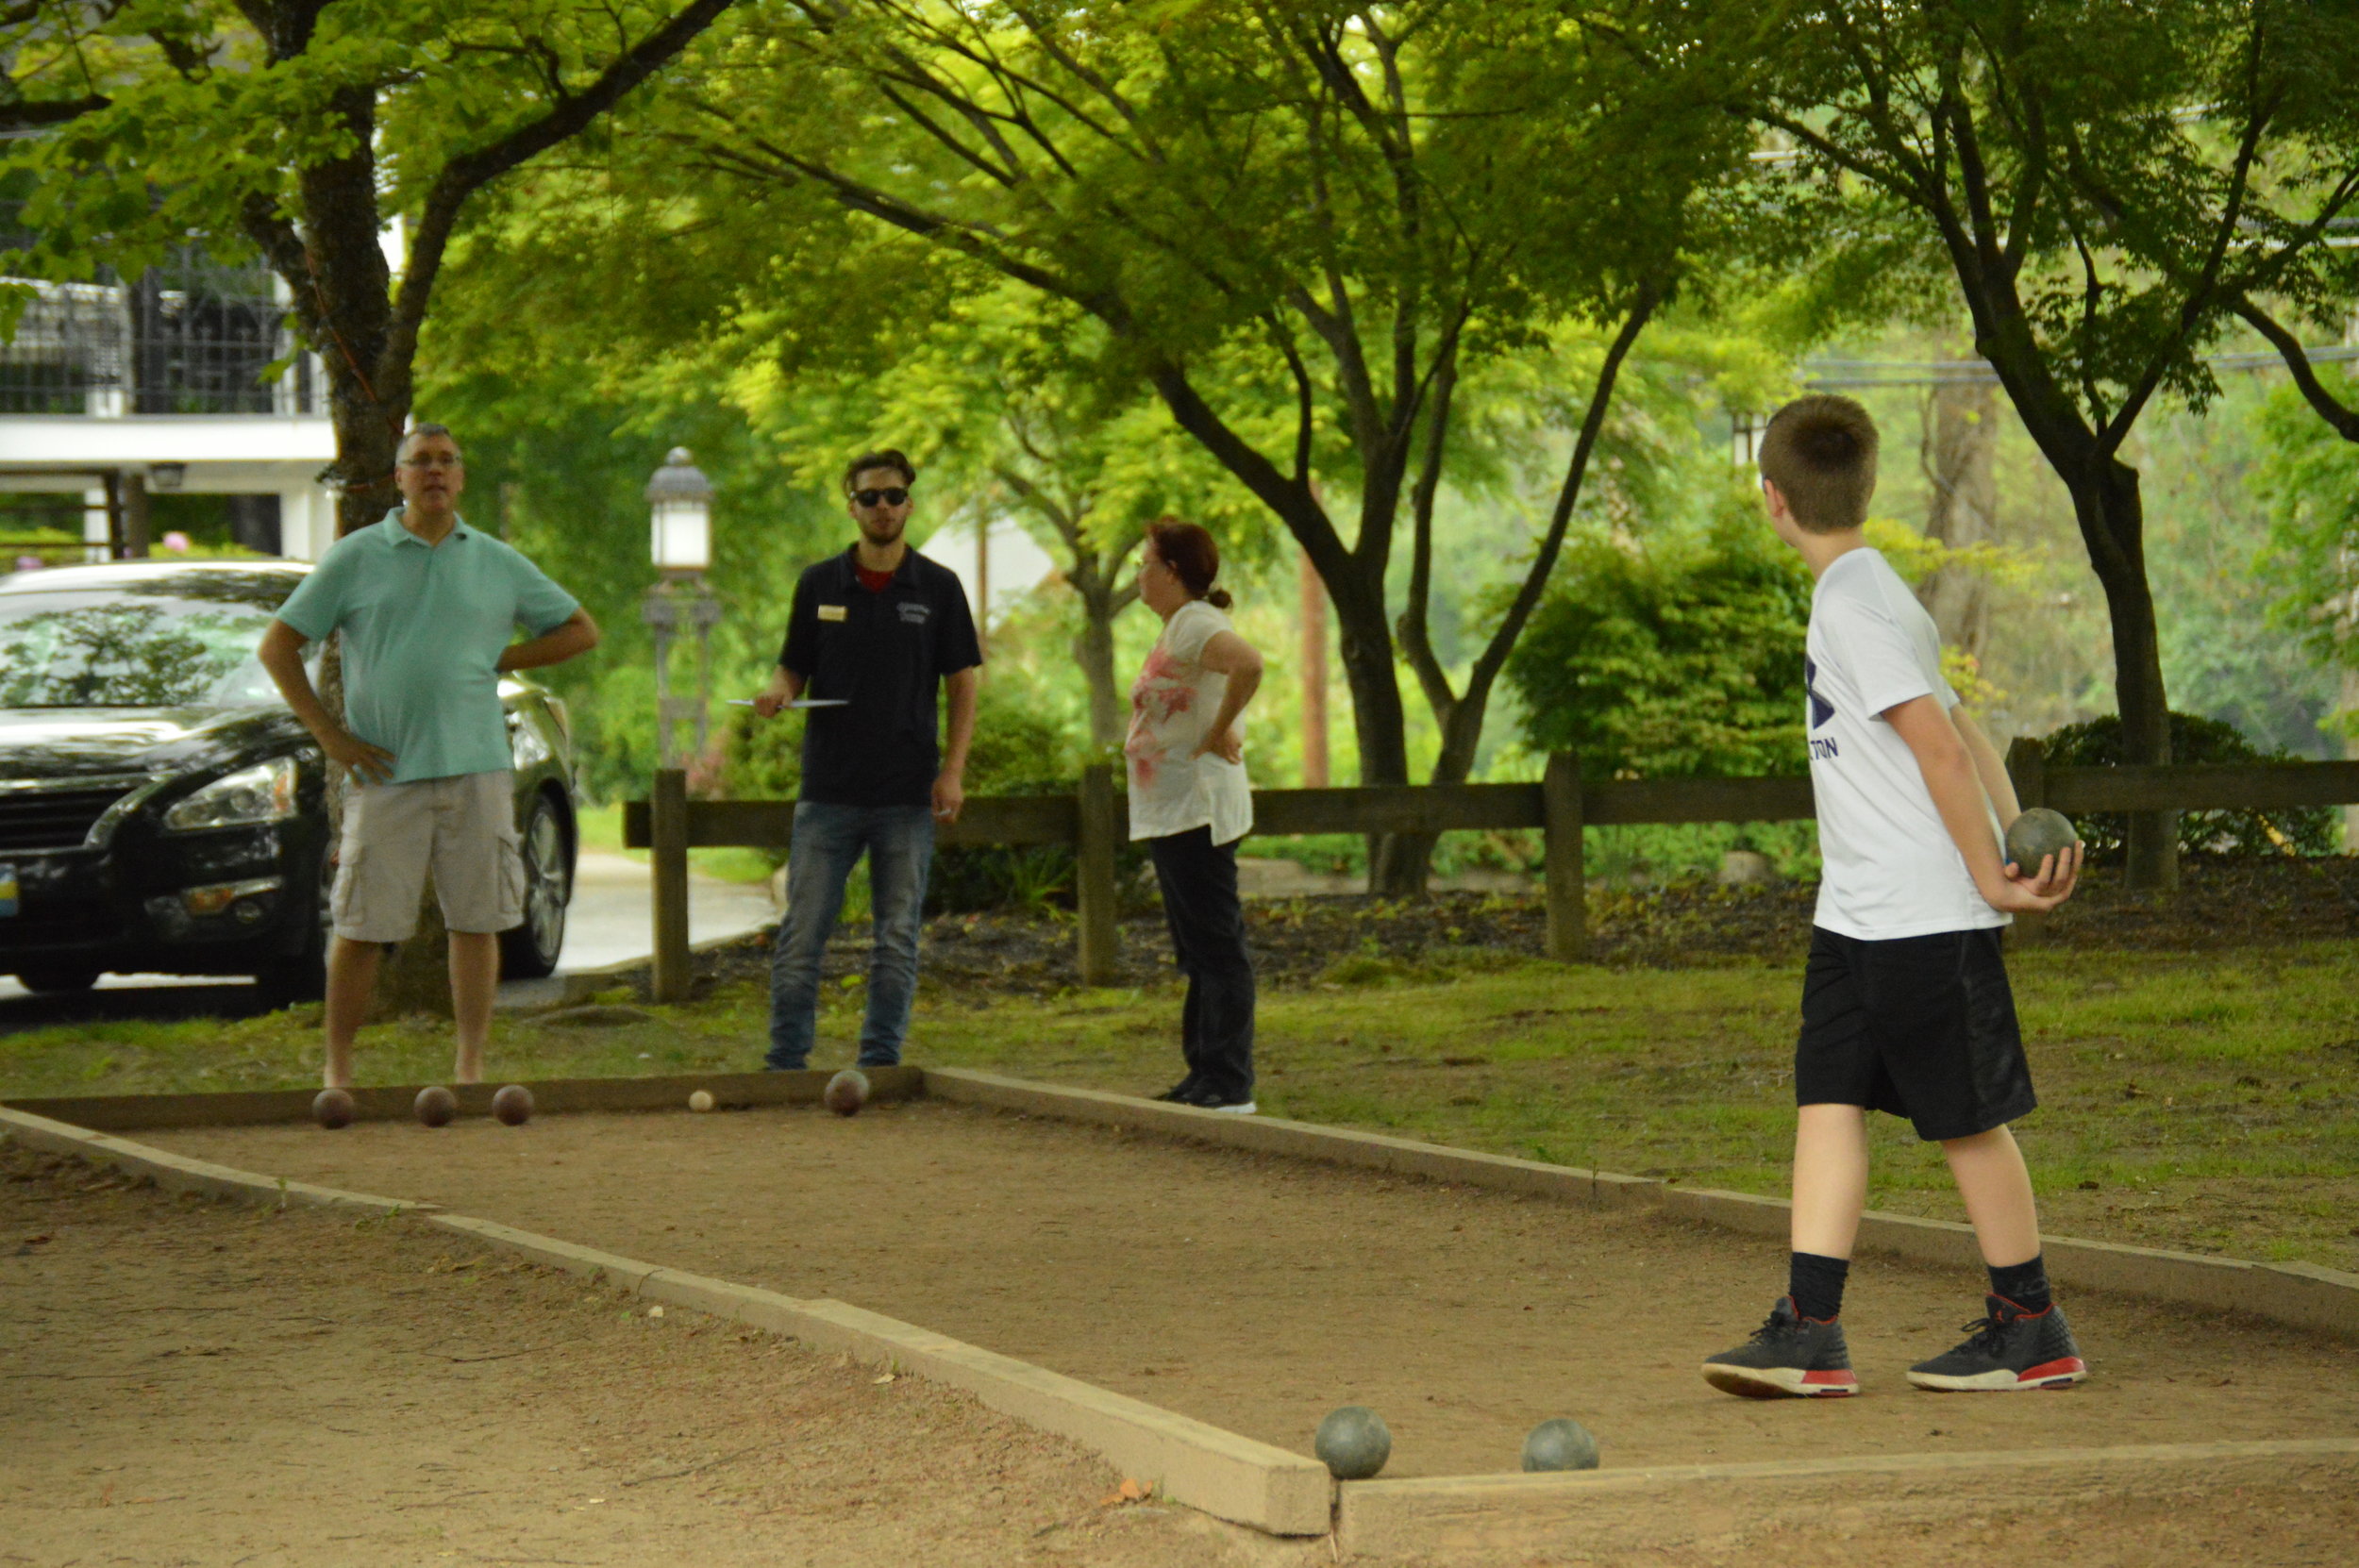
56,979
303,976
530,950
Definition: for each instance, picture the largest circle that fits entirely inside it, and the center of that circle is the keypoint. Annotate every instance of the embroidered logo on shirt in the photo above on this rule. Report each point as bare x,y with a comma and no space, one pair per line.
1820,708
832,613
914,614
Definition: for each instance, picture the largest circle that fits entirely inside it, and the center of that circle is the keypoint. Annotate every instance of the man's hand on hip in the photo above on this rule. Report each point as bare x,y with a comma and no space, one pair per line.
949,796
371,765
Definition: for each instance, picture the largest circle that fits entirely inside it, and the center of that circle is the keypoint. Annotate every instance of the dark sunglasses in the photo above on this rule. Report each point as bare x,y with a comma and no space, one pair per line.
891,497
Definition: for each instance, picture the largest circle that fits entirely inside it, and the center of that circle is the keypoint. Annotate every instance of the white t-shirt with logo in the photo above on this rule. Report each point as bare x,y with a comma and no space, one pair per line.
1892,869
1175,698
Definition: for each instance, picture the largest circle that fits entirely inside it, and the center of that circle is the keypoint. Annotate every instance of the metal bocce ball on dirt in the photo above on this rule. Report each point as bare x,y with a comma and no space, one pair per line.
845,1092
1561,1444
1353,1442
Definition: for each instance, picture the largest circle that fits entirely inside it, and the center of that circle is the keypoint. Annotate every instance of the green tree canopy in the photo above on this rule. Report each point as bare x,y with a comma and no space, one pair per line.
1017,405
2104,186
299,129
2309,481
1328,211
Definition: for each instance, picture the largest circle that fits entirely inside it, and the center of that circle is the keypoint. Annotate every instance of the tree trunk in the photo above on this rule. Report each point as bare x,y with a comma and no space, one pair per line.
2111,518
1314,629
2350,714
368,402
2105,501
1396,861
1093,649
341,273
1961,438
1355,586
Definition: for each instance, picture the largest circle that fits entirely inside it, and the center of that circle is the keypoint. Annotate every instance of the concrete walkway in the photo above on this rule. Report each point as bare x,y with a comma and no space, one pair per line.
613,917
611,921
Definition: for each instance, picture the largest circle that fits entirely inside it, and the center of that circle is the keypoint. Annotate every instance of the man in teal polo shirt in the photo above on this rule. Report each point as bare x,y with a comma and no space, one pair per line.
427,605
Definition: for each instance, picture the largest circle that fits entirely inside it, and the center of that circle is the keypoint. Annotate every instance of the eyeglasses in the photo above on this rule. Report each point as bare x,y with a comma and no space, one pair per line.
432,460
891,497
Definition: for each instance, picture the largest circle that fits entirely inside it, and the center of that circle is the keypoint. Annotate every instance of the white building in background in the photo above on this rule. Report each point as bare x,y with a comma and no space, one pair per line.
113,393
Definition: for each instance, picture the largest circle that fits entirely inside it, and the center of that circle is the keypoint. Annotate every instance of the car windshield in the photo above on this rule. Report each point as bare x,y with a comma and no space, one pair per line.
130,650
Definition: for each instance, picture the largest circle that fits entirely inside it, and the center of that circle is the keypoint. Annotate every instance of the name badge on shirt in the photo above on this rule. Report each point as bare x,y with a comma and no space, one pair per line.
832,613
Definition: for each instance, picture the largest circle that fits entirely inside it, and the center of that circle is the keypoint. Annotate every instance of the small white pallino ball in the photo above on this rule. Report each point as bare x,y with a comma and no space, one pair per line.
700,1100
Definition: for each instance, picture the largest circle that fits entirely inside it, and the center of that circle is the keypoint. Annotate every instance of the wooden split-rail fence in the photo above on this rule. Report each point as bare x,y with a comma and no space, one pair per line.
1091,820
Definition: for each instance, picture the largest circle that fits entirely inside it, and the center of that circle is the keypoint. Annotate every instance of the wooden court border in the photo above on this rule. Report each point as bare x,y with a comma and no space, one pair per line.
1273,1490
1189,1462
2301,1296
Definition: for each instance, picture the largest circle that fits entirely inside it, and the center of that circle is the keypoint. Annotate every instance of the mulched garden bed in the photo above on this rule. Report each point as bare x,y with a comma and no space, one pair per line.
1348,939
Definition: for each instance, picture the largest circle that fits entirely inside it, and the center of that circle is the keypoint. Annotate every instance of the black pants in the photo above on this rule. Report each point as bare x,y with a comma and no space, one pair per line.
1200,882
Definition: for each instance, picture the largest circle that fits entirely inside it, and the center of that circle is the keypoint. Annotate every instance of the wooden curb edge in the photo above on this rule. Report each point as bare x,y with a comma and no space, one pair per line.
1248,1482
392,1102
1191,1461
1663,1506
179,1174
2302,1295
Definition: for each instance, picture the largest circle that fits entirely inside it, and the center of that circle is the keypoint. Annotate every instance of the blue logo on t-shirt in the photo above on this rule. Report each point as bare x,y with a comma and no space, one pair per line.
1820,708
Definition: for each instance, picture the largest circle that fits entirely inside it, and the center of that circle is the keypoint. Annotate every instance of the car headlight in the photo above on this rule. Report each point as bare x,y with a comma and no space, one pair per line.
263,793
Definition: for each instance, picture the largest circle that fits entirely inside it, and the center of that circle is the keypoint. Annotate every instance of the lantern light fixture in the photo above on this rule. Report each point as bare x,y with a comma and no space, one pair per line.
679,498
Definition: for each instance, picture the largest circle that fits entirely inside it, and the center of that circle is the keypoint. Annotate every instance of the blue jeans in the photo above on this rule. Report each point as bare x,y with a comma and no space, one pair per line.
899,840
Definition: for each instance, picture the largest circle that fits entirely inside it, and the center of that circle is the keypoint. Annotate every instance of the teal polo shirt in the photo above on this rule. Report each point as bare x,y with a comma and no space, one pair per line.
424,627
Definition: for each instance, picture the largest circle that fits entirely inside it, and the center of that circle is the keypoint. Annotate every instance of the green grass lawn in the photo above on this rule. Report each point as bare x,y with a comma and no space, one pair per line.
2205,1103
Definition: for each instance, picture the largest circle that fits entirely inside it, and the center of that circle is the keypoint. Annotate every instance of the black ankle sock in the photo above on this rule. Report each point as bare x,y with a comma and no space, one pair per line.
2025,1284
1815,1284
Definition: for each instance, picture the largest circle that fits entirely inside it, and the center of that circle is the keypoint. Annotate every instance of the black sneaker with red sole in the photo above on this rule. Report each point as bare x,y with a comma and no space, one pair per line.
2011,1349
1790,1357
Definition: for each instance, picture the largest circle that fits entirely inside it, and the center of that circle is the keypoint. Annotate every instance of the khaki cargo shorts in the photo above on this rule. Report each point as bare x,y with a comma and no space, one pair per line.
463,827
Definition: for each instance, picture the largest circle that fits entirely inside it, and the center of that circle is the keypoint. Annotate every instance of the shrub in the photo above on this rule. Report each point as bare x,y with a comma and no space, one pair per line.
2309,829
1685,658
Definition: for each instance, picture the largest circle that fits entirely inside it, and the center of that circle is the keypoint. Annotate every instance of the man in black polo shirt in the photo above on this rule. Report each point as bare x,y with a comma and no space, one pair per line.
874,636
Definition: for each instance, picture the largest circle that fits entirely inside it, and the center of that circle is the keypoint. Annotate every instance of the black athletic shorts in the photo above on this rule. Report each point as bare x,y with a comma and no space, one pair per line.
1918,1026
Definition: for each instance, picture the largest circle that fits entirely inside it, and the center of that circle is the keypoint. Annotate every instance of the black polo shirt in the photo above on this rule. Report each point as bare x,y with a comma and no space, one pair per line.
887,653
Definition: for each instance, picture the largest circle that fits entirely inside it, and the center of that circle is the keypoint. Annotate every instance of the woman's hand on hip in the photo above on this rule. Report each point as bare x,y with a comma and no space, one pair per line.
1227,746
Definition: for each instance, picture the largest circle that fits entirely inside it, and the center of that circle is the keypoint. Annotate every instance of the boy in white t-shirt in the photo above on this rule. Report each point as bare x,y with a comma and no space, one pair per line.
1906,1003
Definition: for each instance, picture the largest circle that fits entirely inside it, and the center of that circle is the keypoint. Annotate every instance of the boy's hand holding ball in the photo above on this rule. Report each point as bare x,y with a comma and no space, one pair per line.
2043,852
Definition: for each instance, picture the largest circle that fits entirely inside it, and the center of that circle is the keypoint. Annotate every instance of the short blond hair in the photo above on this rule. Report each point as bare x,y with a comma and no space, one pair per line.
1820,452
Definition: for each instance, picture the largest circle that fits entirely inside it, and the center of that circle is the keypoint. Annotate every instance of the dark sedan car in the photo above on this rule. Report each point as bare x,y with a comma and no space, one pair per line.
161,809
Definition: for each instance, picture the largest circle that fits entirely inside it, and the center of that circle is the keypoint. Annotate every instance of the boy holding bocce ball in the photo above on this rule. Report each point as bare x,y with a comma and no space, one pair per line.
1906,1003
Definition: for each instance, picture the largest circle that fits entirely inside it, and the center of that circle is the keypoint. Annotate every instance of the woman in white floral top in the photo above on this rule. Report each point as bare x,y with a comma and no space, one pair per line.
1190,801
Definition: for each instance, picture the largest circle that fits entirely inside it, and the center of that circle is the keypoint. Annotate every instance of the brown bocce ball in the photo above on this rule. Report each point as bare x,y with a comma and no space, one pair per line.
847,1091
332,1109
512,1105
436,1106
